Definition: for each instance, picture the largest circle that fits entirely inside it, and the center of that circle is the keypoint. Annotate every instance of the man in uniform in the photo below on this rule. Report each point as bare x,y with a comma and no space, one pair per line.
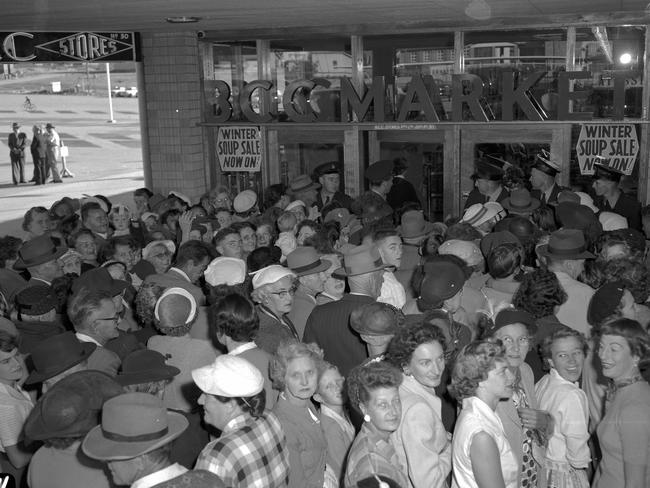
542,178
610,198
330,196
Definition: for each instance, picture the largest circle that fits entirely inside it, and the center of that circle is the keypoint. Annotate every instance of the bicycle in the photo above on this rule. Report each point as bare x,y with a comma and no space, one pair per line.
28,105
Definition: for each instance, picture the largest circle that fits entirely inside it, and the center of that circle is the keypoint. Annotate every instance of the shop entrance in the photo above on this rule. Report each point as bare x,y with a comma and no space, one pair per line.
424,152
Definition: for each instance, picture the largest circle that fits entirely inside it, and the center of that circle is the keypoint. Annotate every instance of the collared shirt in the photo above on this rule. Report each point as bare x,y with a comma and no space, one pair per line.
493,197
383,197
371,454
568,405
15,405
87,338
547,193
166,474
242,348
392,291
250,453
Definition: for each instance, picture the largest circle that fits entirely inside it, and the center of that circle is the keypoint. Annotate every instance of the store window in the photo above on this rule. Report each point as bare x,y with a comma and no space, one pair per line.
603,52
236,64
495,54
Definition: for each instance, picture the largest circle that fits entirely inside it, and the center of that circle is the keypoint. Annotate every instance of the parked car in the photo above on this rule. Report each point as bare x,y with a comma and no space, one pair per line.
131,92
118,91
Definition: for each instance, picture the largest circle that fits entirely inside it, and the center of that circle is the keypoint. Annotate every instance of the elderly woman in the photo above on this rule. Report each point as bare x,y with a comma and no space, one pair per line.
273,291
37,222
159,254
233,402
422,443
567,453
294,371
16,406
84,243
373,389
524,424
482,456
624,432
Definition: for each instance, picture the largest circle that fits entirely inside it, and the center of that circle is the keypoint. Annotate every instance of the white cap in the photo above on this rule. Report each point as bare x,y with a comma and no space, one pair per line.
270,274
171,247
180,292
229,376
612,221
180,196
244,201
225,271
479,213
295,204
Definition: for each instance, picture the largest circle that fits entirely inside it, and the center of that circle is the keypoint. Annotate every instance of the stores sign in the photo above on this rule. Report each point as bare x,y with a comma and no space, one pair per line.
239,148
19,47
617,144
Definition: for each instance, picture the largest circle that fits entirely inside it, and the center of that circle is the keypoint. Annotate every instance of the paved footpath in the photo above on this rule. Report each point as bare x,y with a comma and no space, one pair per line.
105,157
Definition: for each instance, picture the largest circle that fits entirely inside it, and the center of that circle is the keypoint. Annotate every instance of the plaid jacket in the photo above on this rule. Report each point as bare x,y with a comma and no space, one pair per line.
250,453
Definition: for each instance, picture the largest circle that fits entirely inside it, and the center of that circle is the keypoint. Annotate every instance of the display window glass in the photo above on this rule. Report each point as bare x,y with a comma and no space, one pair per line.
236,64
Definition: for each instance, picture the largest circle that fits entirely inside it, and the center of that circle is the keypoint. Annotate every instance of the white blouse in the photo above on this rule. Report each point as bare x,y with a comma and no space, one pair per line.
476,416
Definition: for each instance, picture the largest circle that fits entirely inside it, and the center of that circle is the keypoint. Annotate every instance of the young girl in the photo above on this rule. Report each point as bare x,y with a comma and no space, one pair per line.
120,219
338,430
567,454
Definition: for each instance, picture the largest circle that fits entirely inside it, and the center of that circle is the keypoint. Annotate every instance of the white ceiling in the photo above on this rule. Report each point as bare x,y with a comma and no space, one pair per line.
271,18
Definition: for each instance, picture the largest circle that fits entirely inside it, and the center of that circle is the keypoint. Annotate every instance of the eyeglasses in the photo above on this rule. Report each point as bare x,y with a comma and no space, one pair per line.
116,319
282,294
509,341
161,255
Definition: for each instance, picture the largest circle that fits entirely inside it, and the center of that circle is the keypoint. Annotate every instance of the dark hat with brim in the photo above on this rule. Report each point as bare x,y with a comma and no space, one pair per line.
443,279
56,354
99,279
304,260
36,300
520,202
360,260
72,406
132,424
487,169
38,250
566,244
413,225
546,164
379,171
603,171
509,316
376,319
575,216
302,183
144,366
331,168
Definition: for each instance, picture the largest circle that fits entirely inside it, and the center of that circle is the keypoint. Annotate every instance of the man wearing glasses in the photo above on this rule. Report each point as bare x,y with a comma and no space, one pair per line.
95,319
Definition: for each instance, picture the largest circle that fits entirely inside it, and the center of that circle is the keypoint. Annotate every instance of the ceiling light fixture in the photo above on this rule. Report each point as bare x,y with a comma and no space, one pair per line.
626,58
183,19
478,10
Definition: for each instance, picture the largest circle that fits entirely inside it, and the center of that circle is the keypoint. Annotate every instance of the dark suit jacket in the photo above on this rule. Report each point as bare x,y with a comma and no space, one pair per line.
401,192
555,191
17,144
476,196
339,200
329,327
627,206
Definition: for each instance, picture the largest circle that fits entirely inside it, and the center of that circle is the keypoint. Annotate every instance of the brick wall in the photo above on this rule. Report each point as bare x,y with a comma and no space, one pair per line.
172,92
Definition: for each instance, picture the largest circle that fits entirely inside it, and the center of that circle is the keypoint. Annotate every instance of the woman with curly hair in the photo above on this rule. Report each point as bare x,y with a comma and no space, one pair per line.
624,432
421,441
294,371
174,314
373,390
481,453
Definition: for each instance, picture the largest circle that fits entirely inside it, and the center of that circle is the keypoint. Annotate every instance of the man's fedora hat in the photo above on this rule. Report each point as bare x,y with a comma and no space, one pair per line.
376,319
443,279
99,279
489,168
72,406
56,354
566,244
143,366
37,251
15,125
132,424
546,164
413,225
360,260
509,316
520,202
50,126
302,183
304,260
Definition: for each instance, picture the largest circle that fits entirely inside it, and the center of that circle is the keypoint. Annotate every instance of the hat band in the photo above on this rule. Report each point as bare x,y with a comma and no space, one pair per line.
476,217
567,252
517,205
376,263
307,267
135,438
301,188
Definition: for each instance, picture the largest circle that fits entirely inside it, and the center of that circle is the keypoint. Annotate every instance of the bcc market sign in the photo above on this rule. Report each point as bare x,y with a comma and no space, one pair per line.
24,47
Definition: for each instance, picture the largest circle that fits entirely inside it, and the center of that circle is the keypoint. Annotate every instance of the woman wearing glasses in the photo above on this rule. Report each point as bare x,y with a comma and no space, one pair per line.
273,290
525,426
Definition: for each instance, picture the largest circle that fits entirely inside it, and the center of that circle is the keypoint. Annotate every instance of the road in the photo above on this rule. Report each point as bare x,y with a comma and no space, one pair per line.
105,157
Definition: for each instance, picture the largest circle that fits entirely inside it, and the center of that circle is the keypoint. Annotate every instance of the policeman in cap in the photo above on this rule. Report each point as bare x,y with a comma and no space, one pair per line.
330,196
